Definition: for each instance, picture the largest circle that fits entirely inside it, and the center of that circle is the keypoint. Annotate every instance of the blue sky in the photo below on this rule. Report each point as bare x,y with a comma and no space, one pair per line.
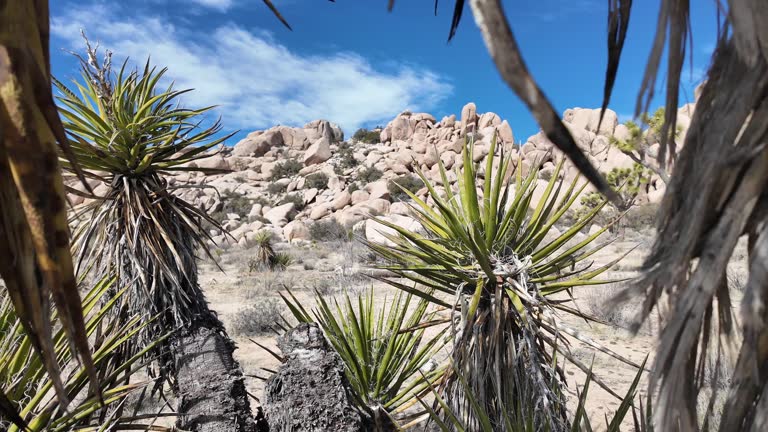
354,63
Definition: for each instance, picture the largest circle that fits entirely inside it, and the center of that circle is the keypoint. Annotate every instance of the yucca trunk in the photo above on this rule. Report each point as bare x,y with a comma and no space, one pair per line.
209,383
502,360
198,360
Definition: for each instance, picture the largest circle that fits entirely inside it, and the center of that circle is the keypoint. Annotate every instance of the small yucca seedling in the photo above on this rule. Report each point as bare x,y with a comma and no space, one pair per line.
265,253
486,254
281,261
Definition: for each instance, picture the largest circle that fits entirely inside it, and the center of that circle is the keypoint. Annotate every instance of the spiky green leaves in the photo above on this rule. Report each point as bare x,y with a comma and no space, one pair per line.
385,352
138,128
487,252
26,383
471,234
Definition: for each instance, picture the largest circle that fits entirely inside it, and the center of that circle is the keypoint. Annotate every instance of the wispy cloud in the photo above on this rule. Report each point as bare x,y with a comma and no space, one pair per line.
221,5
256,81
550,11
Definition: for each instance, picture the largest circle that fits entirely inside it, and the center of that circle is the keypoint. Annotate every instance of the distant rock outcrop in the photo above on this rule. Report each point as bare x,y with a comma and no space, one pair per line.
350,181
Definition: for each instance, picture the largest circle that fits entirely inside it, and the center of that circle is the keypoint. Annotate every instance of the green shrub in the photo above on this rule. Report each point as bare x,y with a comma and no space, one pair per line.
296,199
265,253
345,158
353,187
508,340
627,182
276,188
286,168
317,180
369,175
408,182
386,357
266,258
328,230
233,202
366,136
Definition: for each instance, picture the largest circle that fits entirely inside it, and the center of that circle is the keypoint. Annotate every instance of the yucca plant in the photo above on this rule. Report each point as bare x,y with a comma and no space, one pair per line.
129,131
484,254
28,386
388,358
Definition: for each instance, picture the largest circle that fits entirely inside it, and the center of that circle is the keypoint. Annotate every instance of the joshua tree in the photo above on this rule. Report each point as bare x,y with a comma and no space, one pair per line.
129,135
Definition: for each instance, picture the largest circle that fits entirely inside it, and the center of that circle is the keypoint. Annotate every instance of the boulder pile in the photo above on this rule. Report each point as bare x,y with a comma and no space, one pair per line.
287,178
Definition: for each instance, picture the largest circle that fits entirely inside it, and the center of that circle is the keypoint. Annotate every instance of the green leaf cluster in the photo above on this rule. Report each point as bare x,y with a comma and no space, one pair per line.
384,349
27,385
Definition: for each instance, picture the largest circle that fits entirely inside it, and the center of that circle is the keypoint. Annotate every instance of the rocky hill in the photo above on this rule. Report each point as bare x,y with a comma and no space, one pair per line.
287,178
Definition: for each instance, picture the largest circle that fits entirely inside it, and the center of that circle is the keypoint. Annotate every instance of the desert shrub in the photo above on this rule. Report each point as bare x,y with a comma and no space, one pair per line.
328,230
597,301
368,175
354,186
641,217
282,261
257,318
407,182
317,180
296,199
345,158
286,168
233,202
276,188
324,287
366,136
386,359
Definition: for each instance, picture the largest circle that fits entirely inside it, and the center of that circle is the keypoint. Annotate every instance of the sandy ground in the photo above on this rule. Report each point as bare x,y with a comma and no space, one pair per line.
332,267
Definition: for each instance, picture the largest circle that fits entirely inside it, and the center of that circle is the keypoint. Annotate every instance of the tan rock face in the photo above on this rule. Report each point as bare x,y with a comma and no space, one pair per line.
359,196
278,216
378,189
214,162
256,145
295,230
318,152
401,128
468,118
375,231
409,142
341,200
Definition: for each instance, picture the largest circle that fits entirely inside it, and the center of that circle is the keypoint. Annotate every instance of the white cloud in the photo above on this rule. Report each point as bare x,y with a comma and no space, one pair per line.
256,81
221,5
